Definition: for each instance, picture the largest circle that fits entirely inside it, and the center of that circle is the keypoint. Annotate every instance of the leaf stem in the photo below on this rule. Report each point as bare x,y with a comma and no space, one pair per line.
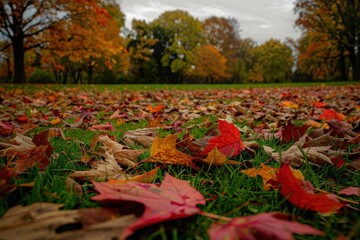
338,197
215,216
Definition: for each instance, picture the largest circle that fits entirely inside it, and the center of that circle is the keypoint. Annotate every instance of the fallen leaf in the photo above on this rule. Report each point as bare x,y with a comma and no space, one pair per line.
46,221
301,194
319,104
163,150
102,170
126,157
56,121
143,137
331,114
228,143
350,191
292,133
103,127
215,157
261,226
174,199
5,185
147,177
155,109
268,175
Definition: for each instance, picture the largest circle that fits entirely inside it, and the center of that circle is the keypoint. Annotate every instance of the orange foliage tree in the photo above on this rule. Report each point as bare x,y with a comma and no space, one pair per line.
208,64
339,21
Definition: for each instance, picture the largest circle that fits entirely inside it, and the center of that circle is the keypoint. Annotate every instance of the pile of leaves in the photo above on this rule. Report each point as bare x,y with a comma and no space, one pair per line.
234,164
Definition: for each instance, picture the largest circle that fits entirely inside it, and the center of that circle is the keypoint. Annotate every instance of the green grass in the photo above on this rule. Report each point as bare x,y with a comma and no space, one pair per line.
228,192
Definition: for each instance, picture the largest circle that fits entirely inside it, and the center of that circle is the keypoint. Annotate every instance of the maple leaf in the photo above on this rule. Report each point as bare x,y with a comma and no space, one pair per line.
6,128
331,114
228,143
155,109
127,157
292,133
261,226
215,157
301,194
164,150
350,191
102,170
268,175
46,219
319,104
174,199
5,186
143,136
105,127
147,177
30,152
297,153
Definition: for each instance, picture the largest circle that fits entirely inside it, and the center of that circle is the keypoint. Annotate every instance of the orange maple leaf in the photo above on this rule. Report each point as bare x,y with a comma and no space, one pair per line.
147,177
268,175
163,150
155,109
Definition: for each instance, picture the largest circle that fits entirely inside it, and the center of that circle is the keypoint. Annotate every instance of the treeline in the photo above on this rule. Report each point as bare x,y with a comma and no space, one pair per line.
85,41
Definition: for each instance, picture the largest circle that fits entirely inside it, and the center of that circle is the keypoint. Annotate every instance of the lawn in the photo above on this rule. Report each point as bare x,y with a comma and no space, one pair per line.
80,145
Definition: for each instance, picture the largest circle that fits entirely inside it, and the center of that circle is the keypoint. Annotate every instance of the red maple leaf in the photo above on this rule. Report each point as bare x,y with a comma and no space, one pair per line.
260,226
174,199
302,195
319,104
331,114
229,142
292,133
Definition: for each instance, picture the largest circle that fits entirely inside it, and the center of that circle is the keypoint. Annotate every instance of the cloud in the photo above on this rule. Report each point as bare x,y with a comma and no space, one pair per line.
259,19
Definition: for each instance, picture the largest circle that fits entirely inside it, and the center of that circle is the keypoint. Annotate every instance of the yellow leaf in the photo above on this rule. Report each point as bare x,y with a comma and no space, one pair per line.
55,121
217,158
163,150
289,104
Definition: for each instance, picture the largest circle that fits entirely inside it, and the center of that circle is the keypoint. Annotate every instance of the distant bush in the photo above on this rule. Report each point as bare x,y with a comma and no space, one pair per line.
41,76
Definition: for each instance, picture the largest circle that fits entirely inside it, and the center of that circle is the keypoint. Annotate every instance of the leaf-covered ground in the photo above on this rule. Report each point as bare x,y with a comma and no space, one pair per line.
84,163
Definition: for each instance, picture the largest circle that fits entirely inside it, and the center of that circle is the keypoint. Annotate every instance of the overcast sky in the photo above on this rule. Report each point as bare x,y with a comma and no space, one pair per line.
259,19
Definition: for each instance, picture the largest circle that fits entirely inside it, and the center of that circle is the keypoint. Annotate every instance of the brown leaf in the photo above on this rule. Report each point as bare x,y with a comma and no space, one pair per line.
44,220
102,170
126,157
143,137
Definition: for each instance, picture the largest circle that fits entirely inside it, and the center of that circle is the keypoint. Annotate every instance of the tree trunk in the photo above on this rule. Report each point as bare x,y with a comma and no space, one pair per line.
19,60
342,65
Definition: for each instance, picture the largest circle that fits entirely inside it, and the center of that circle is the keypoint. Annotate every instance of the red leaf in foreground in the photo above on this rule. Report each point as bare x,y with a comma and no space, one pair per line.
260,226
174,199
303,197
229,142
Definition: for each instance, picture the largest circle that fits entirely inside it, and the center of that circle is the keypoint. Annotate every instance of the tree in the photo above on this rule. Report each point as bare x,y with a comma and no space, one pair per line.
223,33
23,22
178,34
337,19
93,42
140,43
208,64
274,59
318,57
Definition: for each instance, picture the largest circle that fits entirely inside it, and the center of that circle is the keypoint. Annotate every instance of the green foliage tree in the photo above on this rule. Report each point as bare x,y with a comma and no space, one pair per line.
178,34
275,61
